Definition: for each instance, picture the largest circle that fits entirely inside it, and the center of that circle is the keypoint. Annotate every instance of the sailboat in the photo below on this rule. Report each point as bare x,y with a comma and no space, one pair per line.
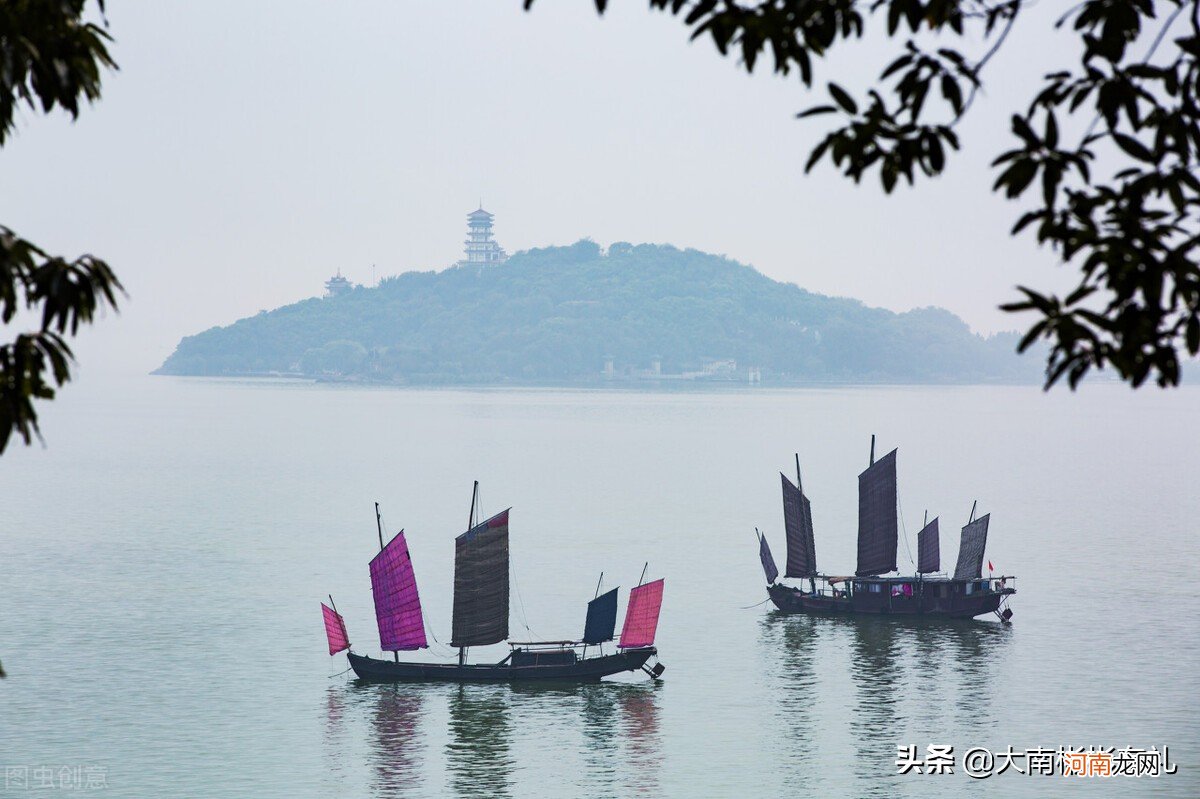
871,589
480,618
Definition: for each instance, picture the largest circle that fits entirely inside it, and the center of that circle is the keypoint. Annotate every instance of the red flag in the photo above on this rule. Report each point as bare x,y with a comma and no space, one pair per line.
990,566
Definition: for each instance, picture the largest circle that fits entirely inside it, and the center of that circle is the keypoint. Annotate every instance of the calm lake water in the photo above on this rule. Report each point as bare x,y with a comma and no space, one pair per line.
162,560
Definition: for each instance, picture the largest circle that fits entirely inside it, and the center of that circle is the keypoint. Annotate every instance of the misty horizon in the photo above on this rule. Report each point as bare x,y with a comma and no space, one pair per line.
219,180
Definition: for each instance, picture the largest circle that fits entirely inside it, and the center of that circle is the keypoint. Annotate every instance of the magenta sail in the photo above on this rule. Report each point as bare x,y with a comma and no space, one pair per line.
641,617
335,630
397,605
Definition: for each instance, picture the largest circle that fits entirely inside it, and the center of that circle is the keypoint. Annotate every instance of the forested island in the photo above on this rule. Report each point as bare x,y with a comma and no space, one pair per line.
580,314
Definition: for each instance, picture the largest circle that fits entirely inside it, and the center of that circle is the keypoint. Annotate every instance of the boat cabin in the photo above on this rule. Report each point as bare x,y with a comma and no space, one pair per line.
539,656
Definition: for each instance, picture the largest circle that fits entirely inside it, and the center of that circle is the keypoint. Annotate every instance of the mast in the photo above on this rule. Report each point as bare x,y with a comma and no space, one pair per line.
379,529
872,463
462,650
811,552
920,574
379,526
597,586
974,502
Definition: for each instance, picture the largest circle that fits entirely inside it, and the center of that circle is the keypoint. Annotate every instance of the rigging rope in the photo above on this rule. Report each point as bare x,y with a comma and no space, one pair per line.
907,549
448,651
750,607
512,566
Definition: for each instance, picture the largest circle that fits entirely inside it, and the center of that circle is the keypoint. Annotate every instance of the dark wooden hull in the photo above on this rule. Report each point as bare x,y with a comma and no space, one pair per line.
584,670
790,600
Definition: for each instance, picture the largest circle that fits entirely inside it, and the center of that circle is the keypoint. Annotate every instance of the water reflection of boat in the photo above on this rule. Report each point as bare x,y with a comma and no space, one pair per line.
849,688
396,735
639,721
480,618
926,593
972,654
621,751
800,639
478,755
874,668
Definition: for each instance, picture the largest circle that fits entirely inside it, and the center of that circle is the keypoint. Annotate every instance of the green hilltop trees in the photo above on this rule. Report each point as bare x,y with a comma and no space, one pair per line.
554,315
1103,158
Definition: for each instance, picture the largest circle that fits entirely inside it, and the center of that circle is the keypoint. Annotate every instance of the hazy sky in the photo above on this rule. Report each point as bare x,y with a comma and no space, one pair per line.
246,151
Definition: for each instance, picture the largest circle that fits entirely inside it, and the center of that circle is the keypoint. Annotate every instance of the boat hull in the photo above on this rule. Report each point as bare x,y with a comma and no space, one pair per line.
791,600
583,670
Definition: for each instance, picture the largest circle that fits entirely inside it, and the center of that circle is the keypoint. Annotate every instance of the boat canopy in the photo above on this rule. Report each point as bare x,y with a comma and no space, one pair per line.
601,618
641,617
970,549
768,560
481,584
335,630
797,521
397,603
928,549
878,527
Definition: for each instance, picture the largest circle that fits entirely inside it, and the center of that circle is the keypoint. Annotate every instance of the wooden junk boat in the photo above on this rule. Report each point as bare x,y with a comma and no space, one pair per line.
928,592
480,617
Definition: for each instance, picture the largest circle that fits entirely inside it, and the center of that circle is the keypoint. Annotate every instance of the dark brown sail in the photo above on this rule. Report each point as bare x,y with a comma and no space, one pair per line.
768,560
878,530
970,549
797,523
481,584
928,549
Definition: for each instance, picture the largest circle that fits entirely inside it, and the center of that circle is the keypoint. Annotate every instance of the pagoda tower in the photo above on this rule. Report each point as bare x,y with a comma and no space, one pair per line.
482,249
337,285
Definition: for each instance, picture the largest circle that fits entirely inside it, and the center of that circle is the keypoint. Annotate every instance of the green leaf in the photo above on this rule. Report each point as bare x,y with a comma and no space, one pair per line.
1051,131
816,110
817,152
1022,129
843,99
1134,147
952,93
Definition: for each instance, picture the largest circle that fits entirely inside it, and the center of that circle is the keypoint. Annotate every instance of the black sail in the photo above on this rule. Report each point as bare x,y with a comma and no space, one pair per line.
928,549
970,549
601,618
797,523
768,560
481,584
877,524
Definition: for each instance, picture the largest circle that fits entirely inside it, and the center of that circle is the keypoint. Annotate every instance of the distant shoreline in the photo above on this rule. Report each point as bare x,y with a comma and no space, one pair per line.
634,315
599,384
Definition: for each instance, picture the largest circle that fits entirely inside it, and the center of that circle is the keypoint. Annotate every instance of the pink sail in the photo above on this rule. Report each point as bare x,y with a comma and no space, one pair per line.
335,630
641,617
397,605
